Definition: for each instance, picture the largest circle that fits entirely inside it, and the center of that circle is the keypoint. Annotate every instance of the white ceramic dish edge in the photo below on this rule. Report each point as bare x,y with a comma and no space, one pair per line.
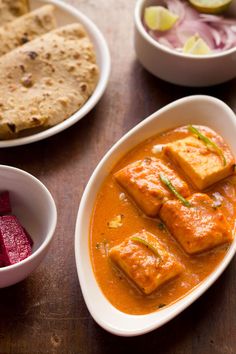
195,110
104,62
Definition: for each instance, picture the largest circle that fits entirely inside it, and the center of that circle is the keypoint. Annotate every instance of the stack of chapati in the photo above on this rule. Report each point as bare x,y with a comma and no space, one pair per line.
11,9
47,79
26,28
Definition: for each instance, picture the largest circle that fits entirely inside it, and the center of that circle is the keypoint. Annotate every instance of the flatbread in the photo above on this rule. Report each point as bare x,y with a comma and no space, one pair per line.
10,9
46,80
26,28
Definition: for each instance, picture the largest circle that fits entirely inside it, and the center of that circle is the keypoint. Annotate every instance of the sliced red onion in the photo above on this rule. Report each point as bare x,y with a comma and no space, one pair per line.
166,42
191,28
229,41
216,36
209,18
213,18
177,7
217,31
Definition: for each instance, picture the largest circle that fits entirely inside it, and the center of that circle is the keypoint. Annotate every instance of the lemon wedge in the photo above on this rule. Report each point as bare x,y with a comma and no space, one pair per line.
196,45
159,18
211,6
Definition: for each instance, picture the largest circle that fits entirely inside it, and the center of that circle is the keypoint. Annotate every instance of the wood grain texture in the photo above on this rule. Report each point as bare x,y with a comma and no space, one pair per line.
46,312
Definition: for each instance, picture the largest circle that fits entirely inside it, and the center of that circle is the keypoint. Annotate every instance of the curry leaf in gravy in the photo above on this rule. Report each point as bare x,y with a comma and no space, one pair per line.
147,244
207,142
168,183
161,226
161,305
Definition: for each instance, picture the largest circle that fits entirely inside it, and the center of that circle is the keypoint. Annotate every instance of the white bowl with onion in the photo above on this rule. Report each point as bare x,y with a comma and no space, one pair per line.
178,67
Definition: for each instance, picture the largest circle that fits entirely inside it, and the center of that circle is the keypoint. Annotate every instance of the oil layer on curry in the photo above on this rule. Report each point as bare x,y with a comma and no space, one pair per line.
163,219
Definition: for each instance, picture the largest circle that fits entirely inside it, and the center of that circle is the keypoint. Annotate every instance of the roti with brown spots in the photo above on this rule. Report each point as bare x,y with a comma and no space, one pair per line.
26,28
10,9
46,80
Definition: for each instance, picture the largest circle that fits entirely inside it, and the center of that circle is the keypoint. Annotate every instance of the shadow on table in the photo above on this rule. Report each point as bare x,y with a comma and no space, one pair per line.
14,302
151,93
184,334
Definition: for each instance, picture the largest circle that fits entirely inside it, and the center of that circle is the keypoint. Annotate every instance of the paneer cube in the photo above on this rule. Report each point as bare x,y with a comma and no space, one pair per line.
141,180
197,228
200,162
145,261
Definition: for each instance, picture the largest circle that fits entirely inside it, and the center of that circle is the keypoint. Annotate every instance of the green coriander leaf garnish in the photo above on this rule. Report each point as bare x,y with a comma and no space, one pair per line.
161,305
208,142
147,244
168,183
161,226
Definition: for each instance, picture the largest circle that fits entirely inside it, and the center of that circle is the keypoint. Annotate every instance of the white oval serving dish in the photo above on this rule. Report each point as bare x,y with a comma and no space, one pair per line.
179,68
66,14
203,110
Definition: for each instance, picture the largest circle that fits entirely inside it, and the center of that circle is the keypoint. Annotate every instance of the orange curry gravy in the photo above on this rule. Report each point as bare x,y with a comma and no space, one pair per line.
109,203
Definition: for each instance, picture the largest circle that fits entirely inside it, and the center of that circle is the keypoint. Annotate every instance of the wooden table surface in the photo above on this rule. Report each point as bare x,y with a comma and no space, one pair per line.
46,313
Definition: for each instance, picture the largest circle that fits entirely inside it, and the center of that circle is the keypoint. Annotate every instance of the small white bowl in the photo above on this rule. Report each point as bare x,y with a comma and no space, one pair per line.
35,208
179,68
203,110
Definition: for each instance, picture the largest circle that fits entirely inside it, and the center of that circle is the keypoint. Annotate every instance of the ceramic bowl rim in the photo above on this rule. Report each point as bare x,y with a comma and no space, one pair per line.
44,244
140,27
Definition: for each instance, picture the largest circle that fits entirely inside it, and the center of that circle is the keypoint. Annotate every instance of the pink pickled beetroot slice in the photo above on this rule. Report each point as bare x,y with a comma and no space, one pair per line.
31,242
2,258
15,245
5,205
2,261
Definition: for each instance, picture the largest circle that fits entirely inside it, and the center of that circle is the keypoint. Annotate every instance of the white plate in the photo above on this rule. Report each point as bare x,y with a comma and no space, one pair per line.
67,14
203,110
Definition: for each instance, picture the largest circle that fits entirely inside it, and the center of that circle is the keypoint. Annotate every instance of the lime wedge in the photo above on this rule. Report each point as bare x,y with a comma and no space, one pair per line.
159,18
196,45
211,6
